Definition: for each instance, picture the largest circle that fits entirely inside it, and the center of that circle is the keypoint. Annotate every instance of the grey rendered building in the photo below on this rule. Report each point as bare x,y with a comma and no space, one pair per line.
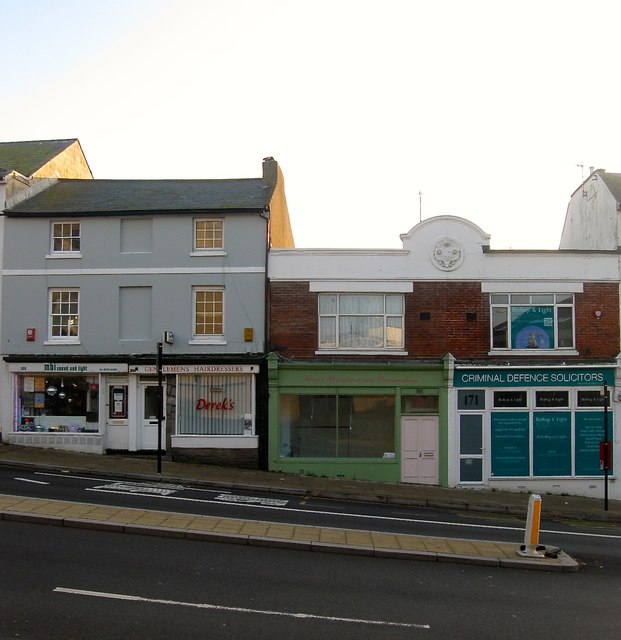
96,273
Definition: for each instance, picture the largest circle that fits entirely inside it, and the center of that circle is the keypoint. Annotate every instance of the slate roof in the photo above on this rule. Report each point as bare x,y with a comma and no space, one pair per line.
28,157
613,182
69,197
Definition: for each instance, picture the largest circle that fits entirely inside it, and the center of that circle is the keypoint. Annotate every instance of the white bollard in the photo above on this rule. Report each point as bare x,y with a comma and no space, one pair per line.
531,534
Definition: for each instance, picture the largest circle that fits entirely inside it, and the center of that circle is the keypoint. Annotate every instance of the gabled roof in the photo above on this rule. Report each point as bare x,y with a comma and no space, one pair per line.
69,197
28,157
613,182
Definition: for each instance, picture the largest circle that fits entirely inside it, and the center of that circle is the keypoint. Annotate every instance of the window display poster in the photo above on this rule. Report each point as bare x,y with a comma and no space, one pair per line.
532,327
552,443
589,433
118,402
510,443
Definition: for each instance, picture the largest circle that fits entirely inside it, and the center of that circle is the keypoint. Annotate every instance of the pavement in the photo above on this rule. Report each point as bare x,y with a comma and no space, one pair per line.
303,537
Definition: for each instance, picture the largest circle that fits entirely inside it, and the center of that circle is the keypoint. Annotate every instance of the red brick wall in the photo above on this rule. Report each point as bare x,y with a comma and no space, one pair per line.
436,320
598,337
441,318
293,319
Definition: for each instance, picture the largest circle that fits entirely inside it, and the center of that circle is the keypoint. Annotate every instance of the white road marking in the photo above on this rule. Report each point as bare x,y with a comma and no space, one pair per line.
95,479
251,500
30,480
201,605
141,488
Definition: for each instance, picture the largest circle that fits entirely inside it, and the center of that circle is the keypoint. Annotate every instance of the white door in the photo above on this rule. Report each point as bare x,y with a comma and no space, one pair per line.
419,449
117,424
149,403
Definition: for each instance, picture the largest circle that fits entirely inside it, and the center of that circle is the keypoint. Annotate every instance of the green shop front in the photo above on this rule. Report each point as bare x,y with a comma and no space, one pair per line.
366,421
532,429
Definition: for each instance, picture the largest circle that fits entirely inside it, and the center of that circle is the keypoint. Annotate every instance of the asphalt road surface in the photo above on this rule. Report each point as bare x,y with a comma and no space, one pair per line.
81,584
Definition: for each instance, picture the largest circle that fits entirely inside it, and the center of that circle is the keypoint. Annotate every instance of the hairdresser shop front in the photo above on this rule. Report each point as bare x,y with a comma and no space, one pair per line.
535,429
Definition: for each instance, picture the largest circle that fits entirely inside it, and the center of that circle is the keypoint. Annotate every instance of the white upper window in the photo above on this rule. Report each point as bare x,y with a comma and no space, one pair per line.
532,321
208,234
361,321
65,237
208,312
64,316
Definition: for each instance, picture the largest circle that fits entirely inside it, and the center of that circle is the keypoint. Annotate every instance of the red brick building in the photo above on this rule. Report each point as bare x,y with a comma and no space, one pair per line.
376,354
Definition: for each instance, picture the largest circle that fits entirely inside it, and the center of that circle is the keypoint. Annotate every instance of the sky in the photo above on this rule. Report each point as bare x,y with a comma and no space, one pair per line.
380,113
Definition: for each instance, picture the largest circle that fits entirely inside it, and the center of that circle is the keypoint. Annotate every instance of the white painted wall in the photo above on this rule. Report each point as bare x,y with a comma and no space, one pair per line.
592,219
415,262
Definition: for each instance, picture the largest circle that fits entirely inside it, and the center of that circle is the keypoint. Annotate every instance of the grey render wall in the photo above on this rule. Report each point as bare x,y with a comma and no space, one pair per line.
169,271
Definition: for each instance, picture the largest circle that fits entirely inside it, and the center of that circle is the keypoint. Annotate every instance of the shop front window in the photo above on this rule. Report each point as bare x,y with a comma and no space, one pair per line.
558,436
215,405
326,426
58,404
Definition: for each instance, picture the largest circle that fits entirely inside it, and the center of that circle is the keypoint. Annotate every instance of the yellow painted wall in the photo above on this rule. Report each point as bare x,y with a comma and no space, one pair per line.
71,163
281,233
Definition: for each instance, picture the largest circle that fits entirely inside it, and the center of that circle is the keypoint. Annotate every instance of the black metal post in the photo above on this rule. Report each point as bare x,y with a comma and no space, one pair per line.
160,403
606,445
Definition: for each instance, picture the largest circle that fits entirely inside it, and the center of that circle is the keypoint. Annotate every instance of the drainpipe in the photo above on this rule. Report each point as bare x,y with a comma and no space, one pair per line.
265,214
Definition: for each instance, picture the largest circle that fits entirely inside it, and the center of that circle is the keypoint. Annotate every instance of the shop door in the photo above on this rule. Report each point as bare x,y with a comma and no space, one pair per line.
419,449
149,402
117,425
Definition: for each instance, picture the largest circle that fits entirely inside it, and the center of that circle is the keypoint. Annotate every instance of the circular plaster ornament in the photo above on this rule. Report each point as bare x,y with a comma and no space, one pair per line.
447,254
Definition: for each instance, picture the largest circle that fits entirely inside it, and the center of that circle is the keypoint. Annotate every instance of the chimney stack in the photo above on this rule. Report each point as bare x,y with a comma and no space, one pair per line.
270,171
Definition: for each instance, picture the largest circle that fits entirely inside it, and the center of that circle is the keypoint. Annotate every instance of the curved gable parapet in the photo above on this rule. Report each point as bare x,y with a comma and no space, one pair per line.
447,241
450,226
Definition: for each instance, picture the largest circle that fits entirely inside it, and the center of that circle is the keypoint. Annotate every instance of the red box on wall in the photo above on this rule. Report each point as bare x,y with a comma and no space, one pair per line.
31,335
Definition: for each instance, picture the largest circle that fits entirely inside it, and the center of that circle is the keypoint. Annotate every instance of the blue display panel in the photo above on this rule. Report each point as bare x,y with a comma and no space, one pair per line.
510,443
552,443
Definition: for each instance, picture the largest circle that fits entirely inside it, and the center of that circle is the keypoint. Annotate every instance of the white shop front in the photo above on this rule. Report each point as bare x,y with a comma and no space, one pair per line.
113,407
60,405
535,429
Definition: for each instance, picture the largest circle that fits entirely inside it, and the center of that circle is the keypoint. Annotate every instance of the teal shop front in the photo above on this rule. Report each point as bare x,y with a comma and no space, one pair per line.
365,421
536,429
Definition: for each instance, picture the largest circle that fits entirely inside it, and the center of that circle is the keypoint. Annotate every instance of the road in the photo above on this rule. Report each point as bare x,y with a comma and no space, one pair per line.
82,584
586,542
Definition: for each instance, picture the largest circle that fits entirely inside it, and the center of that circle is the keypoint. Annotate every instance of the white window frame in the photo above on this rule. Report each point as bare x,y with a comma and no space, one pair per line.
65,316
202,251
513,300
64,253
337,315
207,338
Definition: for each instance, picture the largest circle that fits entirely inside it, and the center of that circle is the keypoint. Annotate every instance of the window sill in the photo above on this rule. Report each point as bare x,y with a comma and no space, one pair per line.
68,254
360,352
207,341
214,252
533,352
63,342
